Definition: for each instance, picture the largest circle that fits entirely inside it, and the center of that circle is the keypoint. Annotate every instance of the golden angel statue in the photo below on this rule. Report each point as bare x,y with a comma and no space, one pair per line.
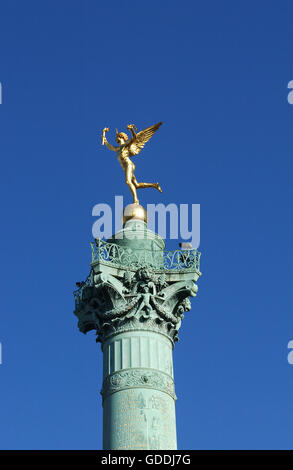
126,149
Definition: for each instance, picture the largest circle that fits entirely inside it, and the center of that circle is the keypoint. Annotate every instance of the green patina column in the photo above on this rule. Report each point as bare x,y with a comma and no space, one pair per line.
135,297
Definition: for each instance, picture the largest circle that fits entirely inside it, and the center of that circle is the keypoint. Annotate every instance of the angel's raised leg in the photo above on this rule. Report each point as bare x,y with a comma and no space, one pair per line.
146,185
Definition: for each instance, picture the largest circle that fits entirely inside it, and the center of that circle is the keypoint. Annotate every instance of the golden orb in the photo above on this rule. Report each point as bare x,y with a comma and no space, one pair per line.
134,211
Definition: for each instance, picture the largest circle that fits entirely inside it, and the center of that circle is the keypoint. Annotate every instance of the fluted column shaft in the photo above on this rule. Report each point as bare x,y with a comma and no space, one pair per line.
138,392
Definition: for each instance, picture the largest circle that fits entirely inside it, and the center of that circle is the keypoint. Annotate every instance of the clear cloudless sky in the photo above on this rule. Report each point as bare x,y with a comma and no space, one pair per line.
216,74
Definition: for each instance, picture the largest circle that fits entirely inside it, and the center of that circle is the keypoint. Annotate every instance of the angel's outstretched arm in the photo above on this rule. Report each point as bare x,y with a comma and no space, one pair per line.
105,141
131,128
110,147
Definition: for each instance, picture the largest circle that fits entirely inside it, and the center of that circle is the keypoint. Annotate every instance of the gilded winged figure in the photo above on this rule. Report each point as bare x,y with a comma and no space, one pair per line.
126,149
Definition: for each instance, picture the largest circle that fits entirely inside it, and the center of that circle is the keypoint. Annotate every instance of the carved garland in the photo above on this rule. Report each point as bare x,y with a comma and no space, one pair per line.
137,378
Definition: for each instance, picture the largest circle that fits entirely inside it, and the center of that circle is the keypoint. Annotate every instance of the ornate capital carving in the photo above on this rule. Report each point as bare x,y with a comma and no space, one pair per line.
125,291
139,300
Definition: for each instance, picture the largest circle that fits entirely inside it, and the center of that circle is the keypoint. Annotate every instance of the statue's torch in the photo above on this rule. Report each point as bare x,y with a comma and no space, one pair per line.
106,129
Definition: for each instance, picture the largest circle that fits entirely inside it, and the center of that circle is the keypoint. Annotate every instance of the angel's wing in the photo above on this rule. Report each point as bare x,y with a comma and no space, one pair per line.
141,139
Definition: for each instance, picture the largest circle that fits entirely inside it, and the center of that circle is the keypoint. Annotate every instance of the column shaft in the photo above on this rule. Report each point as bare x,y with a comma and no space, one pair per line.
138,392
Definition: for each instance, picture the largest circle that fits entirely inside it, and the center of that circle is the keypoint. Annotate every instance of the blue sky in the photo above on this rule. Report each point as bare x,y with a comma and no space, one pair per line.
216,74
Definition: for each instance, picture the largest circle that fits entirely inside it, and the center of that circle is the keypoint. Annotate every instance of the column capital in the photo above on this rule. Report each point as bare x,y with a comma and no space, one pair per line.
133,288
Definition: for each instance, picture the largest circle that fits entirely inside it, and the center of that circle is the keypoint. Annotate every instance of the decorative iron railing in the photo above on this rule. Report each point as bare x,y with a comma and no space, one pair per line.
118,256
